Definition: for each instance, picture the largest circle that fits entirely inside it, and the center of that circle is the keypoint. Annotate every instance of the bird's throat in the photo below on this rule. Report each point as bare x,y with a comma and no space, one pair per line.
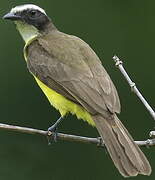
28,32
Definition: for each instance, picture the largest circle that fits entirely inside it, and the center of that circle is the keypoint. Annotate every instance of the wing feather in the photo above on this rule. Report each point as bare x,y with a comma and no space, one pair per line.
70,67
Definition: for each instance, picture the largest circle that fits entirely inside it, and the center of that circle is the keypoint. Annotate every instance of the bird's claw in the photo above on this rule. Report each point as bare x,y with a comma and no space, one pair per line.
52,134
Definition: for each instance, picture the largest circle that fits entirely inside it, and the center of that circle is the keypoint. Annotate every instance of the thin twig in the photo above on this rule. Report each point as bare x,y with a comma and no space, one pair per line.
133,86
67,137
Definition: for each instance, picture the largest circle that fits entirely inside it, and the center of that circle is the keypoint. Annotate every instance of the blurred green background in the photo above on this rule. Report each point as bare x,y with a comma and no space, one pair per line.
122,27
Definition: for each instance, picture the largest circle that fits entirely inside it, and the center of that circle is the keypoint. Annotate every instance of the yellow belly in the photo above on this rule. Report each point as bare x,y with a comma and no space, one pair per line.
64,105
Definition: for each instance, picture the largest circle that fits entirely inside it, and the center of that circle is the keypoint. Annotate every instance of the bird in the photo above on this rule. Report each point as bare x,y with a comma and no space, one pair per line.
73,79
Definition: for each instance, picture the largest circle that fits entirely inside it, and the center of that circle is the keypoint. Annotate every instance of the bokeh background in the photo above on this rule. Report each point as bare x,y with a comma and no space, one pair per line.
122,27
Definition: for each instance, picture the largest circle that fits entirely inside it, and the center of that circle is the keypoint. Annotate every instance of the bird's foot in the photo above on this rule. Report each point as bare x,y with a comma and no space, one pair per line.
52,133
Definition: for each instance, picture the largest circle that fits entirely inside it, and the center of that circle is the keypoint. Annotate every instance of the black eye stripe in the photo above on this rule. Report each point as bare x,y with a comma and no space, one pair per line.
29,12
35,18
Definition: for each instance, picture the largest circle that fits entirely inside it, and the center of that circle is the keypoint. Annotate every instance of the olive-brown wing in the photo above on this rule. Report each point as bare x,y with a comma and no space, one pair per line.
75,73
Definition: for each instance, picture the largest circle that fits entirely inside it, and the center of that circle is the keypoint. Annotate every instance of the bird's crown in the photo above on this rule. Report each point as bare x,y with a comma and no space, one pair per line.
26,7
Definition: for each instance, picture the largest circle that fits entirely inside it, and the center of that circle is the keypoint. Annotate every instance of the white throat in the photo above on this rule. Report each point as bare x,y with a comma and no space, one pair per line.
28,32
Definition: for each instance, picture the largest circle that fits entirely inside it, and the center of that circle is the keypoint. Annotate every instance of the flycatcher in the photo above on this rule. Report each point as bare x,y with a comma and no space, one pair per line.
73,79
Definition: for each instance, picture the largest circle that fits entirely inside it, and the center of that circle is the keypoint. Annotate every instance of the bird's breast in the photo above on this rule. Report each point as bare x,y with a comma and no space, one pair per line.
63,104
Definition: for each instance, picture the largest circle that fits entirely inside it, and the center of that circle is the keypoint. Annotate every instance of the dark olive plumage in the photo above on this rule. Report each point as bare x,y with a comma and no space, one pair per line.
69,66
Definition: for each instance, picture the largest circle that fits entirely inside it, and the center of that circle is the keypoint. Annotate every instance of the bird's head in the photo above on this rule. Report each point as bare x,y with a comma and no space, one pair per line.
31,20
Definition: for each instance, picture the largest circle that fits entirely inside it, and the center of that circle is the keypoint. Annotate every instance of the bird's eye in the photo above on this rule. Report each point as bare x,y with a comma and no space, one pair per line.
33,13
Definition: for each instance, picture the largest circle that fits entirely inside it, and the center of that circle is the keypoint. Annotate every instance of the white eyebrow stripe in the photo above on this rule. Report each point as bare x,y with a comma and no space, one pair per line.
25,7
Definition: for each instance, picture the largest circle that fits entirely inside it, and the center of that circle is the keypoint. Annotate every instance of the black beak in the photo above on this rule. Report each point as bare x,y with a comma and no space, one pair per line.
11,16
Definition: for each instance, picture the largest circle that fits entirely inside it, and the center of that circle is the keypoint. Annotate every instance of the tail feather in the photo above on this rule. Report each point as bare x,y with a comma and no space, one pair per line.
126,155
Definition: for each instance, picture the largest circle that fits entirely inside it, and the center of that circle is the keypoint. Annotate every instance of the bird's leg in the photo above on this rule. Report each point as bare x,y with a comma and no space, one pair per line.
52,131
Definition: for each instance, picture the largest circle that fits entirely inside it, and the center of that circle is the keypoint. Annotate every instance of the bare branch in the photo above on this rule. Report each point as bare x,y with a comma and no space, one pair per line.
133,85
67,137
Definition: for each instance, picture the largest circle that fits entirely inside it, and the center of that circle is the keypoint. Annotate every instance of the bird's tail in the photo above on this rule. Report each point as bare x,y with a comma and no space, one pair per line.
126,155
